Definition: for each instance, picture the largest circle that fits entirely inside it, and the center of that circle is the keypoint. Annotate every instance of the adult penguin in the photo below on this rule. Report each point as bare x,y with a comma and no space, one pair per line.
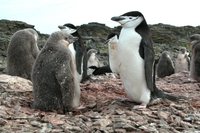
136,59
78,49
112,41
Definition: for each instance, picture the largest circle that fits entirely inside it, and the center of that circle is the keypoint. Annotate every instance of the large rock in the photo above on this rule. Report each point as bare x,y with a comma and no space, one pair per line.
14,84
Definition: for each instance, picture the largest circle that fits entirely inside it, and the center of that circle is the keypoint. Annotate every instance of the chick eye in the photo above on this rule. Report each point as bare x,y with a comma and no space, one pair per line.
130,17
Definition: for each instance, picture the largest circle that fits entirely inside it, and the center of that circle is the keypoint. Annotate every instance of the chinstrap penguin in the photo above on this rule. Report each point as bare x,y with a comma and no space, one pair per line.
112,67
136,58
182,61
78,50
92,60
112,41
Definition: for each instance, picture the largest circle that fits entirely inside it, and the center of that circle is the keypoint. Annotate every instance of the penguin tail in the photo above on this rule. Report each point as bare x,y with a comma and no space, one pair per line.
101,70
157,93
93,67
161,94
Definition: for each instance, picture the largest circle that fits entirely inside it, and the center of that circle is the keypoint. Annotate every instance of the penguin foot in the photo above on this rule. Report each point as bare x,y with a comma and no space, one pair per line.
140,107
190,80
155,101
86,78
125,102
161,94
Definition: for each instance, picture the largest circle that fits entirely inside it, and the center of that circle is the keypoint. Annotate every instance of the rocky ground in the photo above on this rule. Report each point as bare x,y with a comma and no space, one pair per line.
103,108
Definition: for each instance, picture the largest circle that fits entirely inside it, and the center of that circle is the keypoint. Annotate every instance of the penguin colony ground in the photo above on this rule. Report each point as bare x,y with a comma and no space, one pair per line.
61,64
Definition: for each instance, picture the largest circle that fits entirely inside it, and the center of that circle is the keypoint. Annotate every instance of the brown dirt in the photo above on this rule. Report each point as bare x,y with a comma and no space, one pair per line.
104,110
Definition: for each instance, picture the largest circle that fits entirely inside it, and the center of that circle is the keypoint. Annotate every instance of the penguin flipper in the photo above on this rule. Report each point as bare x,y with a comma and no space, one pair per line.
188,61
148,64
150,74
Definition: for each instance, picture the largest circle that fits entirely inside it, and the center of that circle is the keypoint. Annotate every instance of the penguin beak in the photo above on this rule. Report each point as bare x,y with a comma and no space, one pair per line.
117,18
61,27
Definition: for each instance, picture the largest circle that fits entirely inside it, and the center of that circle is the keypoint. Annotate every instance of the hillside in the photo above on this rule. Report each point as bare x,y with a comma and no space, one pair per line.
165,37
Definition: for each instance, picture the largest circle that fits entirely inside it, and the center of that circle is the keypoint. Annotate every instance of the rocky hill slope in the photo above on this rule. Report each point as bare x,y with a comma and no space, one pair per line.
166,37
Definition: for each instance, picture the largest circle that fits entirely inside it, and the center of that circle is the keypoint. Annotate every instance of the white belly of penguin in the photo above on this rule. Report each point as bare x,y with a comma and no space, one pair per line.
113,63
71,48
113,58
132,70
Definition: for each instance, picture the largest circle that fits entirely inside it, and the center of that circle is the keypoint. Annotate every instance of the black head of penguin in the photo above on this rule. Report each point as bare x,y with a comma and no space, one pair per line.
70,26
142,28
